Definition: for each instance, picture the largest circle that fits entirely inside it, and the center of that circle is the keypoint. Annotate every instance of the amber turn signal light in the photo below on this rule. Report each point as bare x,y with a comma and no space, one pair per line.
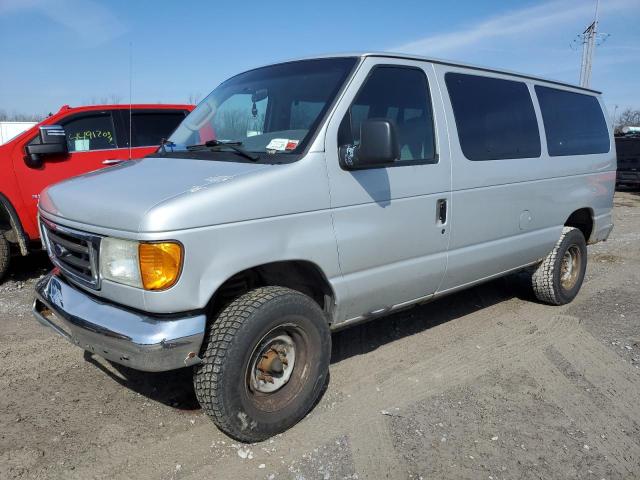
160,264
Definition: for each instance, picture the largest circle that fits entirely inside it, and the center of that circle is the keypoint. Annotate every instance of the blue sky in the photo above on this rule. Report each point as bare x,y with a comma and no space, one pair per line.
76,51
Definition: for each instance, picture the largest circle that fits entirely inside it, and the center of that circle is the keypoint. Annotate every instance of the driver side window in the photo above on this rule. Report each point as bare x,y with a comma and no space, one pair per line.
90,132
400,95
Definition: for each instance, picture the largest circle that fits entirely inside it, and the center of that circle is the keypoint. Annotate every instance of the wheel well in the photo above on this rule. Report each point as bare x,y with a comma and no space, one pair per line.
11,226
582,220
5,219
299,275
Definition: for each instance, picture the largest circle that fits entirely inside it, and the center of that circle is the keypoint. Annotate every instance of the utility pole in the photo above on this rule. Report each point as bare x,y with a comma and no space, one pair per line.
589,37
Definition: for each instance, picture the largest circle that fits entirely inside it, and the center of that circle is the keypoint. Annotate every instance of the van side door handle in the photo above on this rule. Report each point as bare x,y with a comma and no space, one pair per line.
441,208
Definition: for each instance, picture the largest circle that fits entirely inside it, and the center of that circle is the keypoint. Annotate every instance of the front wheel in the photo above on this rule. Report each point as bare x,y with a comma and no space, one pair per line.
557,280
265,363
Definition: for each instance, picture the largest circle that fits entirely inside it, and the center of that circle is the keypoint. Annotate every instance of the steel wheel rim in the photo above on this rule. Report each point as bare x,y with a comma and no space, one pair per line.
272,362
570,267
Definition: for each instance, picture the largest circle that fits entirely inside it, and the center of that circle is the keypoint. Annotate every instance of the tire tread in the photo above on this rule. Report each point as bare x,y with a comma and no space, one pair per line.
221,334
542,279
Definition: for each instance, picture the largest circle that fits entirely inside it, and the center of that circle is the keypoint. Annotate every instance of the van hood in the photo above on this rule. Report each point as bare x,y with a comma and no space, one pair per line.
123,197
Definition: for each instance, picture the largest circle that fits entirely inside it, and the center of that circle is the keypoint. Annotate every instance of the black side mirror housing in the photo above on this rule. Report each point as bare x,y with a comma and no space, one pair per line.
53,141
378,146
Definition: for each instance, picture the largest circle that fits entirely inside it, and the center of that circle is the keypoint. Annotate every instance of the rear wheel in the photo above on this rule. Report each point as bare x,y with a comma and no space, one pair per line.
5,256
265,364
557,280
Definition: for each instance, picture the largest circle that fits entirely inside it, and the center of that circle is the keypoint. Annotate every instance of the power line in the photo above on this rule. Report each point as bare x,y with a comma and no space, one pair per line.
590,39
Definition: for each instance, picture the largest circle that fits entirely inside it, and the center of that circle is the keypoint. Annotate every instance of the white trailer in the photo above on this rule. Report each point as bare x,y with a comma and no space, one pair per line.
8,130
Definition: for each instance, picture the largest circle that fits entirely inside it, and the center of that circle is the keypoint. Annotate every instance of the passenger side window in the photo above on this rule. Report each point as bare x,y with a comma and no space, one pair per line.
90,132
495,117
401,95
574,122
148,128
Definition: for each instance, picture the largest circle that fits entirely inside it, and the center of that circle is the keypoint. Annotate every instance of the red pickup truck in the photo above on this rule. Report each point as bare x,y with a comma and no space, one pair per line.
73,141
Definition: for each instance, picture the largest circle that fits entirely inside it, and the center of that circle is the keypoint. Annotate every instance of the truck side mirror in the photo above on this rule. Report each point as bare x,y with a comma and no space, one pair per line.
53,141
378,146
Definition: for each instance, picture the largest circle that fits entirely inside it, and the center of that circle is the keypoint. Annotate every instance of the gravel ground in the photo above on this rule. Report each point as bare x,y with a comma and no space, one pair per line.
485,384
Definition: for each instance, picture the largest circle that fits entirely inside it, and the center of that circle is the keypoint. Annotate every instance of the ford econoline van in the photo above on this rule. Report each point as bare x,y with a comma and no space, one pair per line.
311,195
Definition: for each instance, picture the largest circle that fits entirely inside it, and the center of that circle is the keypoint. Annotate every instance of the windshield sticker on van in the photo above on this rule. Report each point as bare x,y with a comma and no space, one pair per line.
278,144
282,145
292,144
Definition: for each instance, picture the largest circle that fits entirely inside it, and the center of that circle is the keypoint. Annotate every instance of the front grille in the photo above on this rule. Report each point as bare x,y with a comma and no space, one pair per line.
74,252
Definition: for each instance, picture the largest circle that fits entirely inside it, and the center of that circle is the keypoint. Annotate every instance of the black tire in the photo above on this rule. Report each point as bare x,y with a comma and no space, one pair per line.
241,331
5,256
557,280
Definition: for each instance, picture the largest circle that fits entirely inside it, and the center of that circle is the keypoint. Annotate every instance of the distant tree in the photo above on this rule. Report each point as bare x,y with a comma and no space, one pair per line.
231,124
20,117
110,99
628,117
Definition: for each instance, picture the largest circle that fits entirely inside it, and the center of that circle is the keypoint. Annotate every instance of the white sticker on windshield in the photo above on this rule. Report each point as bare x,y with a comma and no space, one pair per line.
278,144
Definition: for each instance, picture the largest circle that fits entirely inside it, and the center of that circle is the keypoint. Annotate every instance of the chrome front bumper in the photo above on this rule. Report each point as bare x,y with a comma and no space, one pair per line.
127,337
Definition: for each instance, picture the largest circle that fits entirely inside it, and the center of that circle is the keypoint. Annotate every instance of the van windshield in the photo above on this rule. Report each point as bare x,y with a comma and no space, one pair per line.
273,109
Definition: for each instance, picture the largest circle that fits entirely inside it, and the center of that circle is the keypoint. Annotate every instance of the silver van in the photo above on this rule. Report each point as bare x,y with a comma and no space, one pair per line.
310,195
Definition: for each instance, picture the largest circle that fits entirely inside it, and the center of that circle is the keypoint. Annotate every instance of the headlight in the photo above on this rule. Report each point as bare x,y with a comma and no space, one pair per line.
119,261
152,266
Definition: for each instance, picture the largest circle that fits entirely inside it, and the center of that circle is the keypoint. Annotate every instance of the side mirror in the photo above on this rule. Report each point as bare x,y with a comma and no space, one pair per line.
378,146
53,141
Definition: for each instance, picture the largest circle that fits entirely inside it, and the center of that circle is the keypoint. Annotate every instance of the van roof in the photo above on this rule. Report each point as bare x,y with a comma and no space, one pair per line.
444,62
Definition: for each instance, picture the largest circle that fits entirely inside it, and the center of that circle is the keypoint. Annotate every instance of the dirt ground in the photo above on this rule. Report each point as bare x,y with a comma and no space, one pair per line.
484,384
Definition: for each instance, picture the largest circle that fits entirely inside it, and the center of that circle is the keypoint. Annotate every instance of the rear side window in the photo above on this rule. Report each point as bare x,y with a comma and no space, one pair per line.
148,128
401,95
495,117
574,122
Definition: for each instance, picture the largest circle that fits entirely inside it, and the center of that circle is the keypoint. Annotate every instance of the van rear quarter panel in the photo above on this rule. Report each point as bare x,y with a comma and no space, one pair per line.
509,213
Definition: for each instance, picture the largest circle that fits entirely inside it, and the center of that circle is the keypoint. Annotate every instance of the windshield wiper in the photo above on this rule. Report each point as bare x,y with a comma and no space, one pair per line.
215,144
